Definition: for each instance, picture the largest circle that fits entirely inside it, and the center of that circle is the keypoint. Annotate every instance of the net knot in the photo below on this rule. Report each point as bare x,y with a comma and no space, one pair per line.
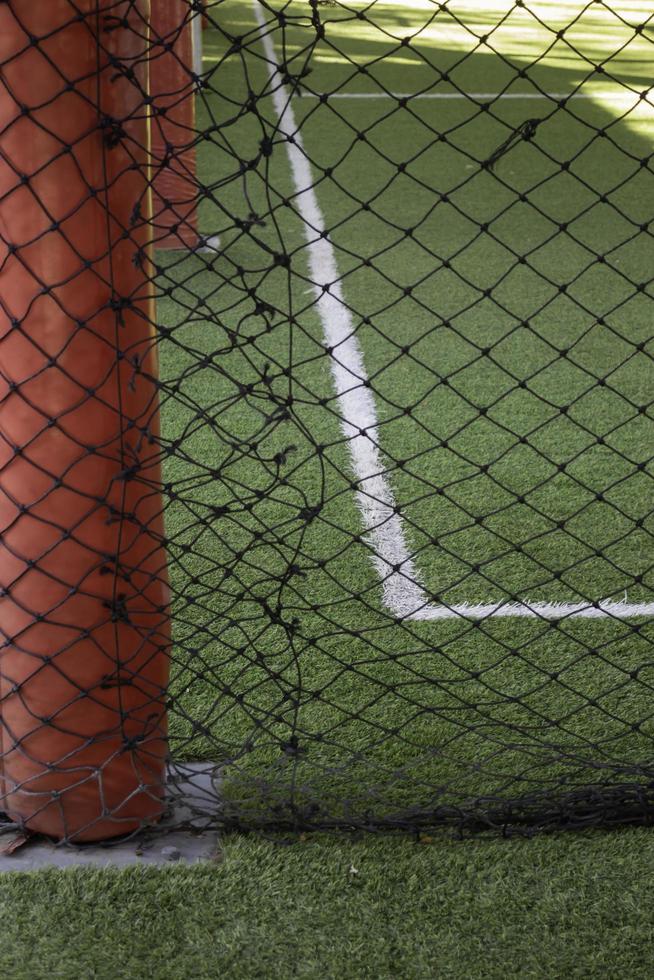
112,131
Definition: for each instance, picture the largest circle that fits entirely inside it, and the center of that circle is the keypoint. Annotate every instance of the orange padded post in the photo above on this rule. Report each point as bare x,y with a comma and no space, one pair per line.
84,625
173,126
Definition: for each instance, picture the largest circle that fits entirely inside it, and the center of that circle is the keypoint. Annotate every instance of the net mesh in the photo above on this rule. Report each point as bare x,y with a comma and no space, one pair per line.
326,416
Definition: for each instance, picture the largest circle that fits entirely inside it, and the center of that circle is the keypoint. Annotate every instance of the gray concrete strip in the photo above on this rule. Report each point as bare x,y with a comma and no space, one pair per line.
186,835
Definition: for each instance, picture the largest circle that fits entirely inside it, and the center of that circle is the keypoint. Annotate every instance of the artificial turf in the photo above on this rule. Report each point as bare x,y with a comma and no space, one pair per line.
563,906
511,372
389,714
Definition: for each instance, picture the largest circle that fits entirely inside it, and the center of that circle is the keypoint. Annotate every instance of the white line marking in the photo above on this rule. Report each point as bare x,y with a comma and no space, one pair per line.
211,244
403,594
196,35
599,96
618,609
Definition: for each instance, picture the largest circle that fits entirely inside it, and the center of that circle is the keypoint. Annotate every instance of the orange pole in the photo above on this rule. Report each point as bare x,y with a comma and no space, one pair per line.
173,126
84,625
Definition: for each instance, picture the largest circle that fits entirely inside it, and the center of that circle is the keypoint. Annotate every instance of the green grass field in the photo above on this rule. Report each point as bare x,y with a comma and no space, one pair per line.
510,375
475,332
573,906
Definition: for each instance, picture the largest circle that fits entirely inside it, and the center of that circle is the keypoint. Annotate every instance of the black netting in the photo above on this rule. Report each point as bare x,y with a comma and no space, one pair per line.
326,419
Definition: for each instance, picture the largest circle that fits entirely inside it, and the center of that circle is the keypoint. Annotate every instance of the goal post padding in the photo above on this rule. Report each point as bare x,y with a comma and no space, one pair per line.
173,86
84,594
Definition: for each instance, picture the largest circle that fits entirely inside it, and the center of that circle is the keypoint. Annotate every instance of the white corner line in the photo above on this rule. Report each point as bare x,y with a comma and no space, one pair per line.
197,43
628,96
403,595
606,609
210,244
